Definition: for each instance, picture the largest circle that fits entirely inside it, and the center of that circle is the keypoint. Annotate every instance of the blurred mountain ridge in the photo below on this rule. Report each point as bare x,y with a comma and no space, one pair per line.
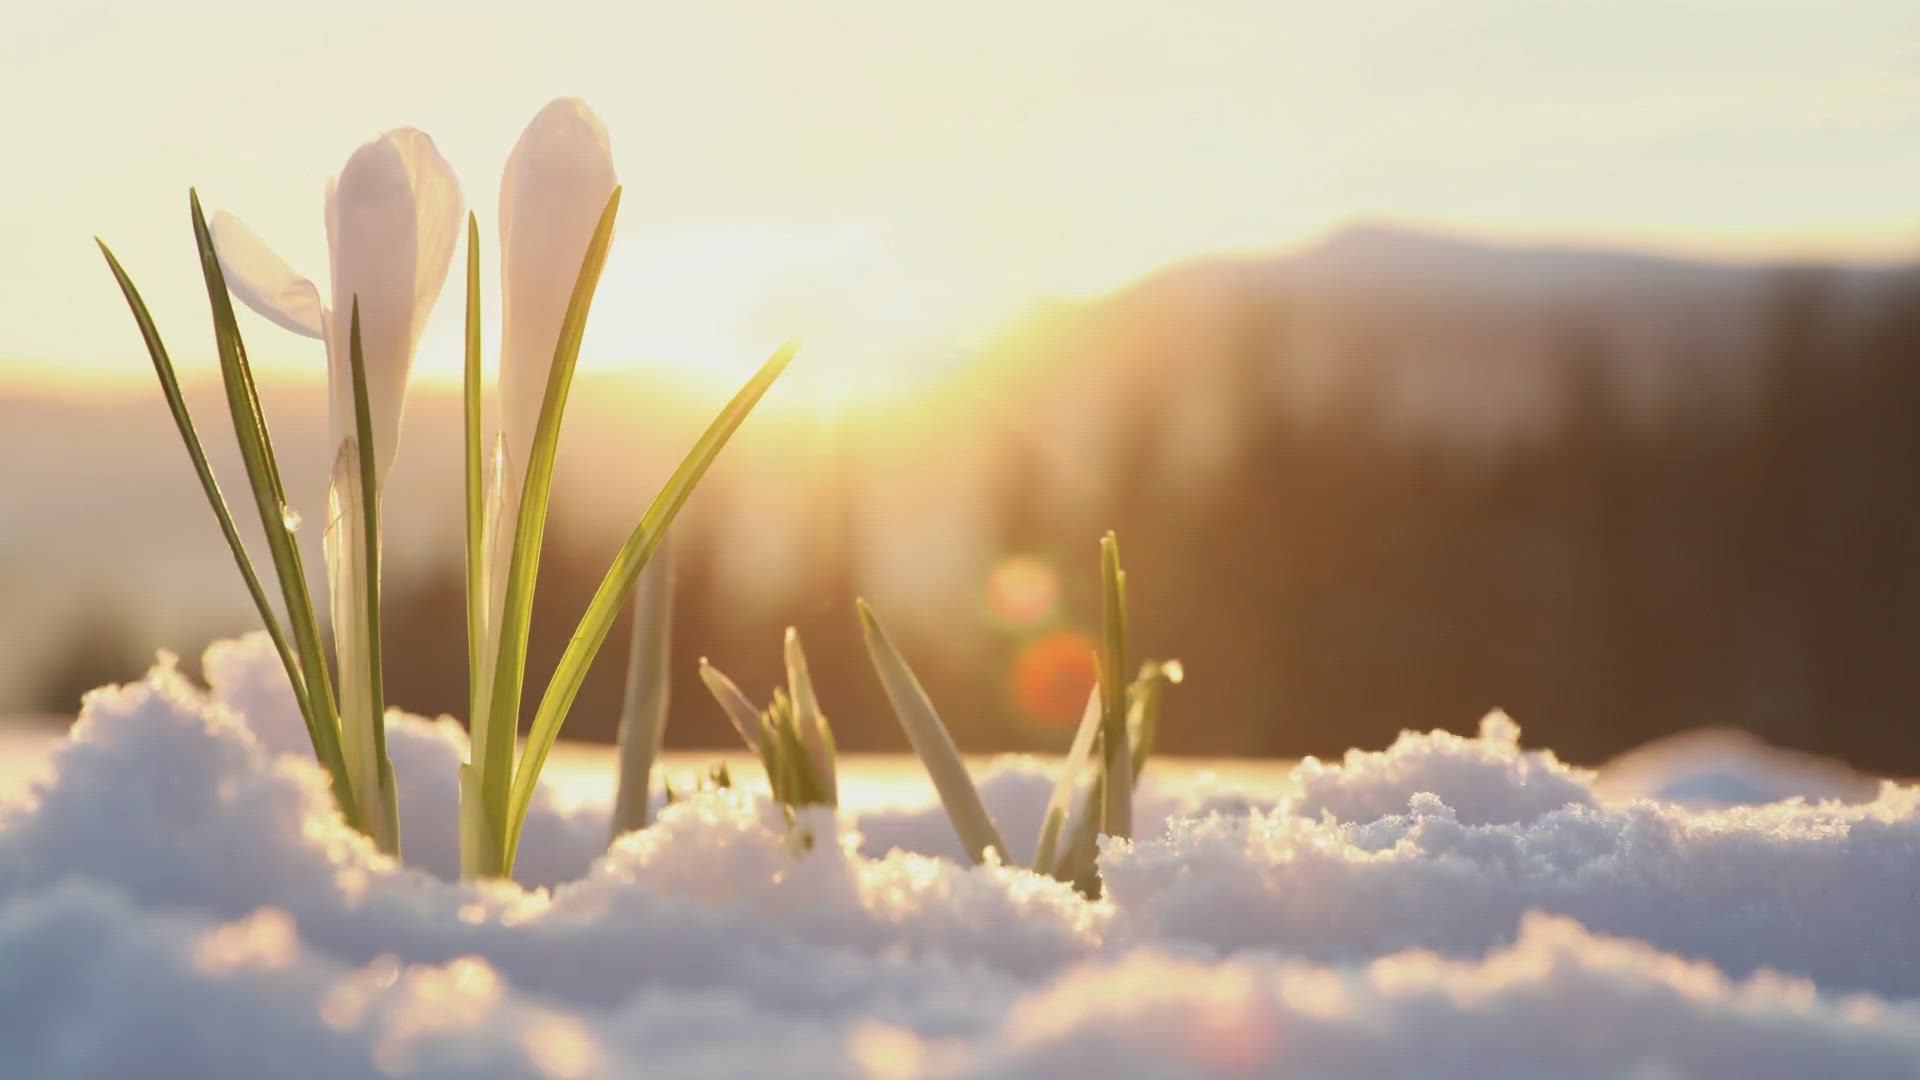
1391,480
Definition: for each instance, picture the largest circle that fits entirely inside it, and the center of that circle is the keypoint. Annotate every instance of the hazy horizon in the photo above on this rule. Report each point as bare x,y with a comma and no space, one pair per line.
133,377
1017,153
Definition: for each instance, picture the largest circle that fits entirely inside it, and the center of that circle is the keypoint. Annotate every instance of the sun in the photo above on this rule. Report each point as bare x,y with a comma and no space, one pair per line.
883,317
879,322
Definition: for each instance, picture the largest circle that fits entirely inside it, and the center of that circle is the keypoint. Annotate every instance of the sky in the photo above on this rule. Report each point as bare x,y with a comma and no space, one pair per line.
886,178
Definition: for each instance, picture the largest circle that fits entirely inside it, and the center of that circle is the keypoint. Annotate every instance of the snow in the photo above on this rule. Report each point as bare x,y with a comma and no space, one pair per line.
177,899
1728,767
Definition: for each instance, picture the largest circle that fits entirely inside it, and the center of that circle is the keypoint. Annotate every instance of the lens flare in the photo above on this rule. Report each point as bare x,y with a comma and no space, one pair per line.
1023,591
1052,675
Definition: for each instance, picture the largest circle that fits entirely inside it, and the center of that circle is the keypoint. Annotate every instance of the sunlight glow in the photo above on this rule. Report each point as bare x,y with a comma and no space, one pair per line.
884,181
704,306
877,323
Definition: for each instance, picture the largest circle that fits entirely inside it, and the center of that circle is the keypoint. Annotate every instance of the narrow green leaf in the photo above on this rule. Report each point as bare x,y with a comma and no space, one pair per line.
605,606
1118,794
778,765
1046,849
796,779
800,782
346,570
740,711
932,742
263,474
1079,856
479,845
770,755
479,838
830,789
807,718
385,814
1143,718
183,420
530,522
492,597
471,386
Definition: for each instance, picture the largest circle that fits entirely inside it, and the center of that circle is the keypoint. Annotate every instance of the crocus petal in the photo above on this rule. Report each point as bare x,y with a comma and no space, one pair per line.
263,281
557,182
438,210
392,216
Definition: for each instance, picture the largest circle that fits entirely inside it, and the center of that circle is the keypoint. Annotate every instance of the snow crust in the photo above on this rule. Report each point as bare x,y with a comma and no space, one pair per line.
178,899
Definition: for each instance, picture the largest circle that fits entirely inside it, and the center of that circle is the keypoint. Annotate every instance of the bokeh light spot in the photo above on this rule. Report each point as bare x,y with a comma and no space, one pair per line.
1052,675
1023,590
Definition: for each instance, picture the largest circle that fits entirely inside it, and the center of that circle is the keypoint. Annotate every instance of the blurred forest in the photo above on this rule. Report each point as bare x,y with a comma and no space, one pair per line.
1750,560
1333,574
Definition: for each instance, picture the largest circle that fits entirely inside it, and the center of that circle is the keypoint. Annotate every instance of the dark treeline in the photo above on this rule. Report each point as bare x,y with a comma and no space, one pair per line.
1746,555
1743,559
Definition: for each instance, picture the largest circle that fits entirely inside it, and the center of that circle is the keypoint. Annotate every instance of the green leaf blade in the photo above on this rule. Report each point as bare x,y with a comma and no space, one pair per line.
809,723
932,742
384,814
210,486
1143,718
1046,852
471,395
598,620
509,670
739,709
263,474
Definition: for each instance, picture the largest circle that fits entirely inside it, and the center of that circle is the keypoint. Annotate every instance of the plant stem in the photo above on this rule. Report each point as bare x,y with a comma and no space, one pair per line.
353,555
1116,815
643,716
349,572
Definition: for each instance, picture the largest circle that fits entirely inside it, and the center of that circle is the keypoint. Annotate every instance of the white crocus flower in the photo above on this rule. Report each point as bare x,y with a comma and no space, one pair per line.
393,216
552,194
556,185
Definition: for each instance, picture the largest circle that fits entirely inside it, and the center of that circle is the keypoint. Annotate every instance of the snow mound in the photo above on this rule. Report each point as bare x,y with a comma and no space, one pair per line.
247,683
97,987
1558,1002
1727,767
1488,780
178,898
1821,891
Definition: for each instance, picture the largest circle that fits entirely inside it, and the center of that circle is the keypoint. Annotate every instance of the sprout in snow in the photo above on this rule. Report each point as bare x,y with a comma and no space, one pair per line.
393,216
392,221
556,198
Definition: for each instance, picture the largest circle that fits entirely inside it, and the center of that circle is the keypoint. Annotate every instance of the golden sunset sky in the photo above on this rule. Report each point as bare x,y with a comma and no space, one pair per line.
892,178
